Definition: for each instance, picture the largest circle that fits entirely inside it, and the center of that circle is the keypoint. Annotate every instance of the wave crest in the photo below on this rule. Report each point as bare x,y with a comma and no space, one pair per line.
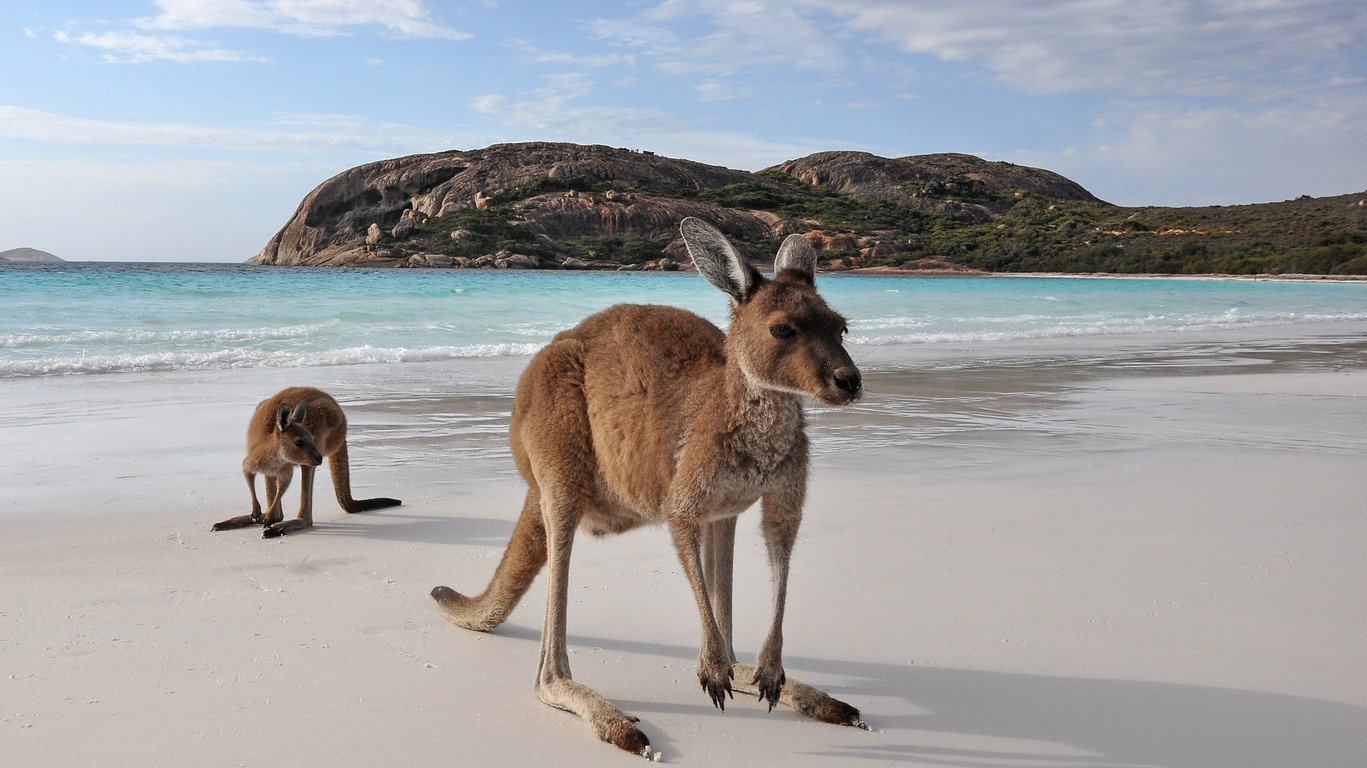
222,359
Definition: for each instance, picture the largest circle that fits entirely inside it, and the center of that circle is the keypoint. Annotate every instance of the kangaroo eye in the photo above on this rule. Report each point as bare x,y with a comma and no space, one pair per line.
783,332
299,443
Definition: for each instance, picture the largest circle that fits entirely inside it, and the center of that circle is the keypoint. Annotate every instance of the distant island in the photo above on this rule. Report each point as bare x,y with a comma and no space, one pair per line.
568,206
26,254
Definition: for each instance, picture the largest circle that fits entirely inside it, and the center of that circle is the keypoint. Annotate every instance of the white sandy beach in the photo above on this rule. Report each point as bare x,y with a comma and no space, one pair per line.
1052,563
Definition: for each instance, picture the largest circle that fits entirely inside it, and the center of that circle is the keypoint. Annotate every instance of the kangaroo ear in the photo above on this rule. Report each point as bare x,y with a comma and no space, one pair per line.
796,254
298,416
282,417
717,260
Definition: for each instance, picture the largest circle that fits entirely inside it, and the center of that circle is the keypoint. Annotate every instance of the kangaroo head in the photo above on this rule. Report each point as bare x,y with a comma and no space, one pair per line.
296,442
783,336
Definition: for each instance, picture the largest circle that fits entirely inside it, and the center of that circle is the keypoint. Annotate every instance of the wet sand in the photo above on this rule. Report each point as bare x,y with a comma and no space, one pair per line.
1106,552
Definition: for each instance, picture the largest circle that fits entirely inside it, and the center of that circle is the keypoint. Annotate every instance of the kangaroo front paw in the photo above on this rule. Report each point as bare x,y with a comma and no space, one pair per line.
769,682
716,681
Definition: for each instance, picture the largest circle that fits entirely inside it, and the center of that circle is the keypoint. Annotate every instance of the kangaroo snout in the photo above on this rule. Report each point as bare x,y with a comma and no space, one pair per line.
850,382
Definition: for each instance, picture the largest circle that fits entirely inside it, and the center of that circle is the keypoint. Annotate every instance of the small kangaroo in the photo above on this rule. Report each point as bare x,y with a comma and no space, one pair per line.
650,414
299,425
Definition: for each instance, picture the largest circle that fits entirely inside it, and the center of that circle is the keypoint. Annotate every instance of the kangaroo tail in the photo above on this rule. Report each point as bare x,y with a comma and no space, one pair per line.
340,465
522,561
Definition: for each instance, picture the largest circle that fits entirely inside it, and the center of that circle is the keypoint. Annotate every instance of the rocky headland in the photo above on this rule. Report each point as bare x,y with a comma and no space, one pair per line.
568,206
26,254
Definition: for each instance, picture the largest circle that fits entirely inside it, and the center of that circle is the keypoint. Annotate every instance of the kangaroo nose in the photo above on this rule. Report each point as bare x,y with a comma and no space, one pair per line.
849,381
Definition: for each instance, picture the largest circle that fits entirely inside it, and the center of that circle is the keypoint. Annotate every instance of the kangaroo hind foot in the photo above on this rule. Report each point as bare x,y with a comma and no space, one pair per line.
241,521
287,526
610,723
809,701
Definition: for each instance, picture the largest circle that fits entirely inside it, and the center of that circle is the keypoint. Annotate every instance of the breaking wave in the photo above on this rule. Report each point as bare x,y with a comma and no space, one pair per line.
220,359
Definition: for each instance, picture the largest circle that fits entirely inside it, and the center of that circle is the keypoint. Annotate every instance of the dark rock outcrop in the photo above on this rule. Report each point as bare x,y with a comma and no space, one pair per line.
331,223
962,187
559,200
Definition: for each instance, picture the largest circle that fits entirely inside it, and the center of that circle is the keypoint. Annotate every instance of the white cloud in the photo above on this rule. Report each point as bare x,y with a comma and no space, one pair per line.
137,47
410,18
1229,155
110,173
289,133
1163,46
593,61
556,112
1205,101
720,36
1189,47
717,90
210,14
552,110
733,149
314,18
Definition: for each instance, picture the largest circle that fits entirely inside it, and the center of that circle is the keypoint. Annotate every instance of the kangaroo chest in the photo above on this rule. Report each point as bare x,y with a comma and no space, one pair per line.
768,446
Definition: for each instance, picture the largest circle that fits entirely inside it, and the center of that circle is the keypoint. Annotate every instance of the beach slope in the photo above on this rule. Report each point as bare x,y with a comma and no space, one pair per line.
1040,566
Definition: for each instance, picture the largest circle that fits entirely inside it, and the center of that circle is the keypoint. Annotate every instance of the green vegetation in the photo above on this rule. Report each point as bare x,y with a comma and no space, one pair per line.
1326,236
482,231
620,250
952,219
786,196
1035,234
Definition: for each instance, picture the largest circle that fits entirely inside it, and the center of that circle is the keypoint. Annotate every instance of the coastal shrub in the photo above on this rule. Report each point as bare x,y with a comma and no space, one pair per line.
750,195
1357,266
792,198
622,250
485,231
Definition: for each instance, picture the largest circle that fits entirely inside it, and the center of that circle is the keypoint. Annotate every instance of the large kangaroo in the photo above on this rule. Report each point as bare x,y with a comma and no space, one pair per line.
299,425
648,414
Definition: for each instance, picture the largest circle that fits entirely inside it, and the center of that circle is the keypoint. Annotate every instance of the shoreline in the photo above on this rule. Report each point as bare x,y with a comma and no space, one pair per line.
763,266
894,271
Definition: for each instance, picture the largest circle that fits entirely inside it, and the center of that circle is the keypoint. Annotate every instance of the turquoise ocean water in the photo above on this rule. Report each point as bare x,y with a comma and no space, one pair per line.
101,318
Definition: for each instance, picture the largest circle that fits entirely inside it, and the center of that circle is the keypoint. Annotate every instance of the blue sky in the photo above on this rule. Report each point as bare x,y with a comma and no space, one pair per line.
189,130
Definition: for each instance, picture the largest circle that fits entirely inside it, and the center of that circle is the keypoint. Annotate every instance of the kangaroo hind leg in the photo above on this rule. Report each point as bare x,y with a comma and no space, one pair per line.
244,521
555,685
550,433
254,518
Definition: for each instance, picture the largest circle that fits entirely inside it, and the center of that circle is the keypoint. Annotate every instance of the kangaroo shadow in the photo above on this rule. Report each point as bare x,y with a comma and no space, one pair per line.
393,524
406,526
1067,721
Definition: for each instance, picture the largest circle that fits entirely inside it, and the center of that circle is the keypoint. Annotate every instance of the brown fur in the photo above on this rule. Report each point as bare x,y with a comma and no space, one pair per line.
646,414
298,426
